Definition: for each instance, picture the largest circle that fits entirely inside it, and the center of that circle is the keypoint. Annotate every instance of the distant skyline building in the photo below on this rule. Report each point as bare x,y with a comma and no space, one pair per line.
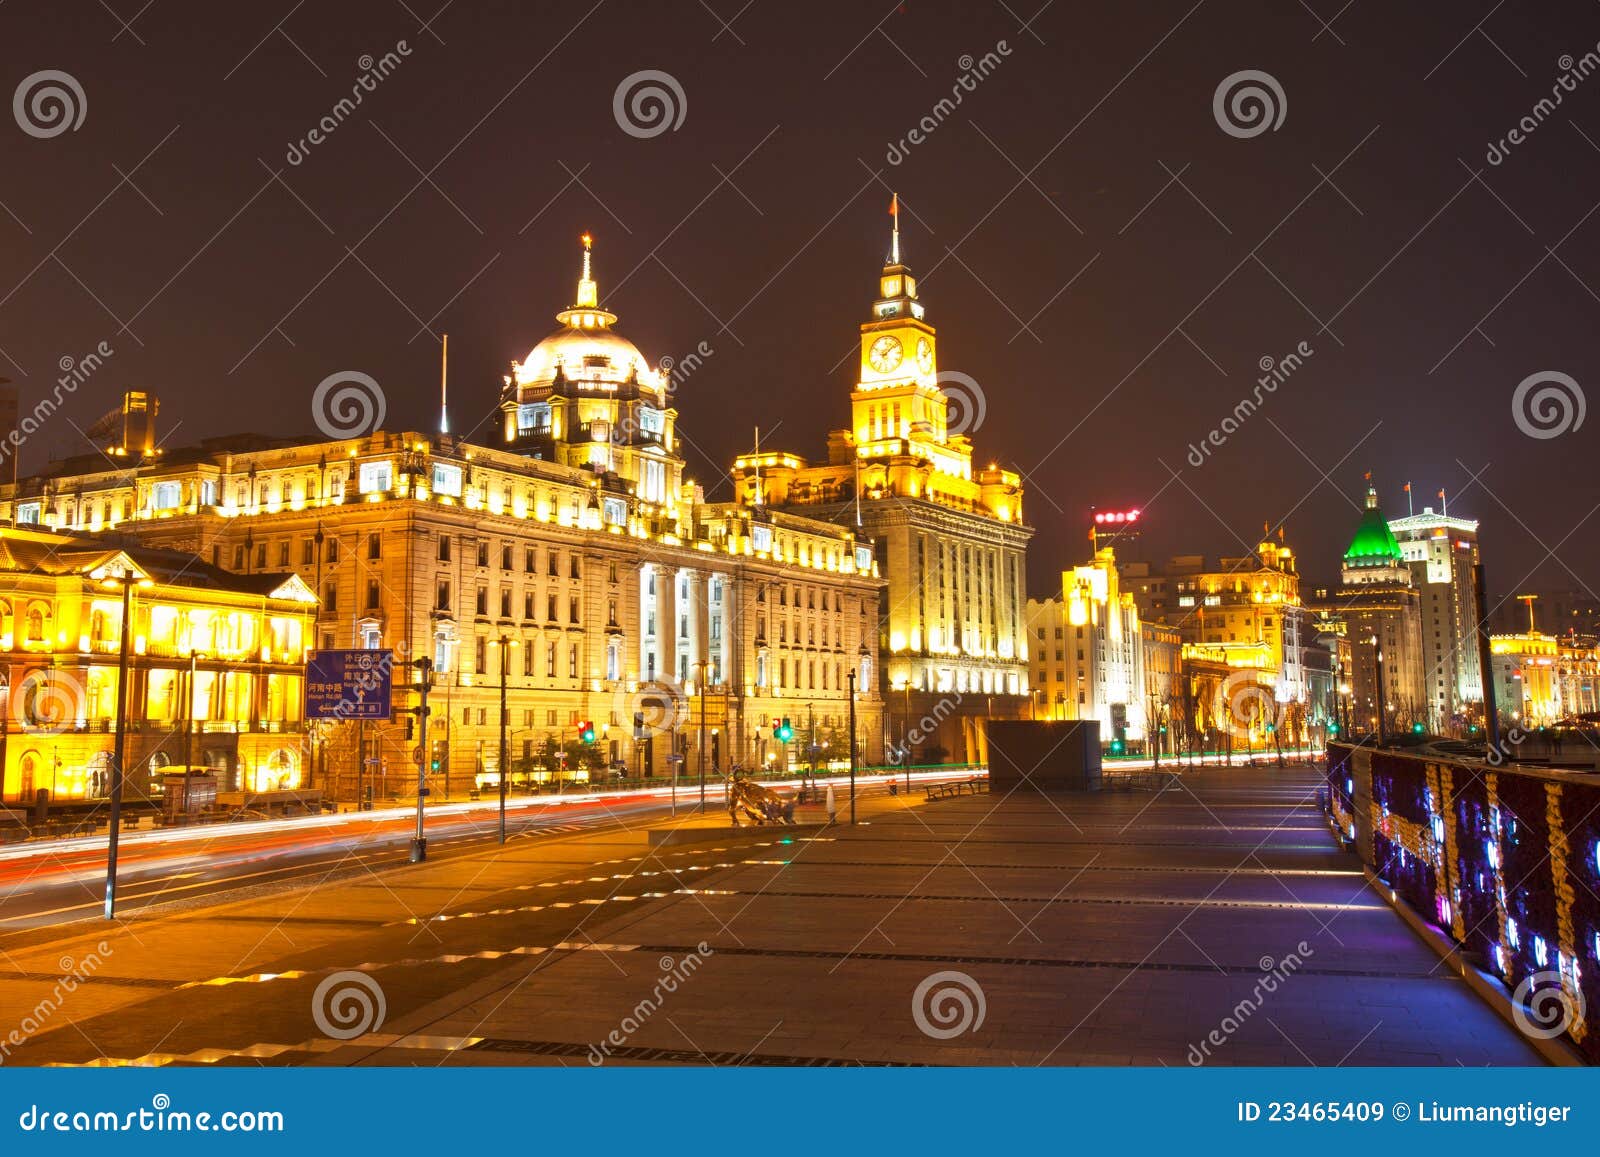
1382,611
1441,552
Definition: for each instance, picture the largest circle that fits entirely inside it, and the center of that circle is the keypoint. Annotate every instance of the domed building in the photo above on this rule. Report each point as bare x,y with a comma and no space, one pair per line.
586,397
1382,611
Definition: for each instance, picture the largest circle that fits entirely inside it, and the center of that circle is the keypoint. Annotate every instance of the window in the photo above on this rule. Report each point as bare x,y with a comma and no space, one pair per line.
505,556
554,568
572,609
374,546
376,477
308,552
444,548
482,601
614,512
550,660
483,552
373,594
550,608
529,559
333,550
505,602
446,479
572,661
527,669
330,596
371,636
574,569
611,571
533,418
166,495
761,538
442,599
611,613
527,605
283,554
480,656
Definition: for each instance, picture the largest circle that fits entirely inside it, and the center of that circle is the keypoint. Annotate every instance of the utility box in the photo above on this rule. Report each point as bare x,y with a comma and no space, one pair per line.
188,793
1050,756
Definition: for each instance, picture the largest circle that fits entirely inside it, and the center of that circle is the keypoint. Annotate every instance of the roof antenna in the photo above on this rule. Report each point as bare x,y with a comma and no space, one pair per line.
444,387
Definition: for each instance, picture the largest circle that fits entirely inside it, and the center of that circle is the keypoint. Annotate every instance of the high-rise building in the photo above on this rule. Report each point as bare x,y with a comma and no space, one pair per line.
950,537
1382,613
570,560
1087,650
1441,552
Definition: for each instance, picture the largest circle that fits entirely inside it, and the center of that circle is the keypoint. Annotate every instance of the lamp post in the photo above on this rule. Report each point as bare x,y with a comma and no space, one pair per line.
506,643
702,665
127,580
1377,661
852,679
424,666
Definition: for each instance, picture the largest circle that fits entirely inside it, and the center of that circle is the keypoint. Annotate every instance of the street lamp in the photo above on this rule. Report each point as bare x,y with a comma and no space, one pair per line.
424,684
127,579
506,643
852,677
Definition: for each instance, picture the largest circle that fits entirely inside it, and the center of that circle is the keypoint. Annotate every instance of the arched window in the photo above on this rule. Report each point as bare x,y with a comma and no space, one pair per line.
35,626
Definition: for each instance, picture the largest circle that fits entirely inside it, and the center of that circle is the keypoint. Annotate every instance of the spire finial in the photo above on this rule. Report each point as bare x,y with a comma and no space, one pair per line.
894,211
588,293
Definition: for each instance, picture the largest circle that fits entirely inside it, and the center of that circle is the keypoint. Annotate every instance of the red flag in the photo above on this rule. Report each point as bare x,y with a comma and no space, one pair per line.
894,205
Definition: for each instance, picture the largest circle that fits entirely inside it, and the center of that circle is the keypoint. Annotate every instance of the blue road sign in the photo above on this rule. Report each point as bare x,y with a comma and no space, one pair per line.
349,684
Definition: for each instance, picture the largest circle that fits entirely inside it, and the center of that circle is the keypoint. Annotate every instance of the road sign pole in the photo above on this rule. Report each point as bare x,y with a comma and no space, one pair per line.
419,842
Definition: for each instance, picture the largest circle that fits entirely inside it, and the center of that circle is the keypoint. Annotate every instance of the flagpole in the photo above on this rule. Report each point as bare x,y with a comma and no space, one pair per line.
444,388
1409,508
894,211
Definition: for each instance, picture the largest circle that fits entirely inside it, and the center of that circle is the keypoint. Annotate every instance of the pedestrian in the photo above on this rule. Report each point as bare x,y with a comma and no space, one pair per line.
832,811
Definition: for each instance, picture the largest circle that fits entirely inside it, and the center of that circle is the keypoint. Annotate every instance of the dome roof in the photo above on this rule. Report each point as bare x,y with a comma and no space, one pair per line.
586,355
585,348
1374,543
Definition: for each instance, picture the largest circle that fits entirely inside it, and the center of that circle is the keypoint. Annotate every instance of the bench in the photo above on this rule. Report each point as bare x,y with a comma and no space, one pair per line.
957,787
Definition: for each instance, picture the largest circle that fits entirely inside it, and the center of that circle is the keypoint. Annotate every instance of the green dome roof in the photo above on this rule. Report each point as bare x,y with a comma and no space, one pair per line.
1374,543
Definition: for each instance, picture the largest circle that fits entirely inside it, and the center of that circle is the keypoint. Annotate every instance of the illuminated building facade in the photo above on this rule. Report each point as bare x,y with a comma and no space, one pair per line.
1526,684
1382,611
216,670
951,539
1093,657
1248,609
574,538
1441,551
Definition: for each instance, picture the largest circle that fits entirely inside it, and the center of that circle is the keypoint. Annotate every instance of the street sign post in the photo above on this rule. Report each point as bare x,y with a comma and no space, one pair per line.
355,684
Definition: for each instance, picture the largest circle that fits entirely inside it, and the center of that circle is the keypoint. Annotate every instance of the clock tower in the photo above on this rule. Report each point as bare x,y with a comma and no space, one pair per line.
897,406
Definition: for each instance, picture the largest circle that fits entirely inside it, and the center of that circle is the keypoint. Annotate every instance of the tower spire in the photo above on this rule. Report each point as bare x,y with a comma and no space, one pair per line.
588,292
894,244
444,385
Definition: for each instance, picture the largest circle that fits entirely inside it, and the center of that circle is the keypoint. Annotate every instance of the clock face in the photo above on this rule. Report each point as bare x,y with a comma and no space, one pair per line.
885,353
924,355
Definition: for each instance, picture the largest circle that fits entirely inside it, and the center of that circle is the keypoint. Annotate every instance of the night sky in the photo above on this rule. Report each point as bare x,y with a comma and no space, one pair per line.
1369,224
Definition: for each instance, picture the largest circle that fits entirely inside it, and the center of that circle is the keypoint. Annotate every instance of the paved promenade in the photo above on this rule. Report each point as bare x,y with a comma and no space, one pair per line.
1216,922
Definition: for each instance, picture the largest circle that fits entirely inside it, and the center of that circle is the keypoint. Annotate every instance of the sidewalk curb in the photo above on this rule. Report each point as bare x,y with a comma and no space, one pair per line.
1558,1052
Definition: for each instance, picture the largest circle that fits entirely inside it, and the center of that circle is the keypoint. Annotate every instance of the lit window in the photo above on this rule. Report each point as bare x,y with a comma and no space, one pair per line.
447,479
376,477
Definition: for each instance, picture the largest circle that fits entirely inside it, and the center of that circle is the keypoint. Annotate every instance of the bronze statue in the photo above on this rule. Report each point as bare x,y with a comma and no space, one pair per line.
760,804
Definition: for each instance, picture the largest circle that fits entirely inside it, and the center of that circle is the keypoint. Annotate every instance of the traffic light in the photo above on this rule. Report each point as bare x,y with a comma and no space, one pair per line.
1333,729
1416,729
1118,747
1271,727
782,732
586,732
